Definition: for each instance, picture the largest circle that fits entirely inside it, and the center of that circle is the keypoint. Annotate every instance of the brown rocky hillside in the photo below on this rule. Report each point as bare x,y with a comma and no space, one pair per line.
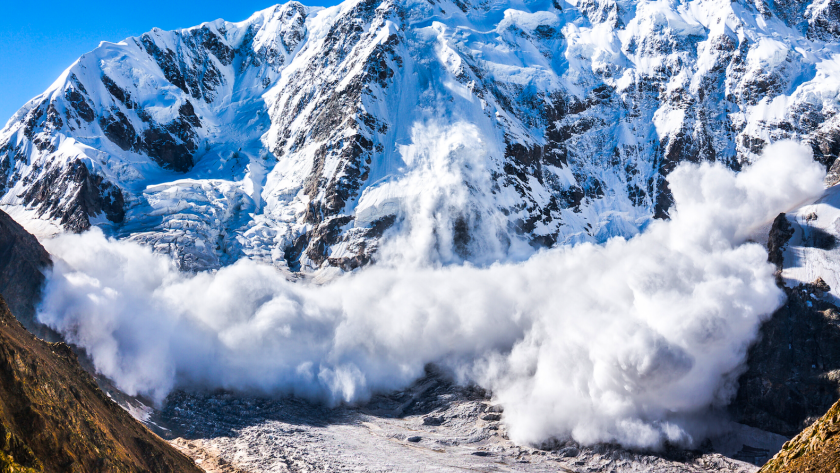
23,264
815,450
54,418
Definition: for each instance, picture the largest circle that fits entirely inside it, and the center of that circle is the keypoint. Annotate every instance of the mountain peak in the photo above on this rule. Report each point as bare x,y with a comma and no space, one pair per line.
301,136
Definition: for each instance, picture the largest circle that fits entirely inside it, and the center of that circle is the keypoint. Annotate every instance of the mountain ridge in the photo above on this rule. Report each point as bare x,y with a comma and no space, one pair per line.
301,136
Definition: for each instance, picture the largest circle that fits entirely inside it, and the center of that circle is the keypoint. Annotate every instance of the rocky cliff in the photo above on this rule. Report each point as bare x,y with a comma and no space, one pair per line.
793,373
791,377
23,263
53,417
814,450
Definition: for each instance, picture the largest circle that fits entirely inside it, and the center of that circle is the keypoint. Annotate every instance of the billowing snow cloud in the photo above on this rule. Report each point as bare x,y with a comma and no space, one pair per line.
630,341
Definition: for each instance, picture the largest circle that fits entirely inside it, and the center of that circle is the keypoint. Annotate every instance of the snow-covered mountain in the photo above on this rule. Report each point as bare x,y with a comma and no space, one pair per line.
302,136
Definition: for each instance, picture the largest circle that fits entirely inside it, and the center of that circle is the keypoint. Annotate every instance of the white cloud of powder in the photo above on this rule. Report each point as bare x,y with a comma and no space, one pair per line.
631,341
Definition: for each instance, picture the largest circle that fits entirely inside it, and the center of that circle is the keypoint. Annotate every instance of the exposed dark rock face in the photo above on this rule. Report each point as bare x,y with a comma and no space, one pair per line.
823,20
161,145
119,130
793,373
362,244
23,264
325,235
199,79
352,137
72,195
53,417
780,233
75,95
170,145
833,176
117,92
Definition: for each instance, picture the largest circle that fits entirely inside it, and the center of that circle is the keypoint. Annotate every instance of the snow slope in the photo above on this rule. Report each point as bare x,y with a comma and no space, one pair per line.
460,130
813,251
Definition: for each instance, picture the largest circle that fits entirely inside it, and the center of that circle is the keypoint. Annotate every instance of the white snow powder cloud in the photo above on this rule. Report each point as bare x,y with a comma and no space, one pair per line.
627,341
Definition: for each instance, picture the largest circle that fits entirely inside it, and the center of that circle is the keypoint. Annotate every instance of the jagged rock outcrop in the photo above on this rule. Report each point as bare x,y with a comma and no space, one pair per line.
53,417
302,136
815,450
781,232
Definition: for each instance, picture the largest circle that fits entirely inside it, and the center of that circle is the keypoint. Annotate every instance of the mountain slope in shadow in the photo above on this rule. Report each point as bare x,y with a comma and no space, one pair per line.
23,266
53,417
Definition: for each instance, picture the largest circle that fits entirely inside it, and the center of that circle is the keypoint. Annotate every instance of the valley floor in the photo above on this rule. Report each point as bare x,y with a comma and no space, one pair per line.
434,426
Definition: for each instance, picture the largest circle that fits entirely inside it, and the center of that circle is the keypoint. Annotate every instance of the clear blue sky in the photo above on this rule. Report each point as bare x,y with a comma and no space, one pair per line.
39,39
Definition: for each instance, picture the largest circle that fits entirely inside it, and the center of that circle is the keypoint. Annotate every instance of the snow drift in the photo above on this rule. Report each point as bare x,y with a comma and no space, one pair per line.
631,341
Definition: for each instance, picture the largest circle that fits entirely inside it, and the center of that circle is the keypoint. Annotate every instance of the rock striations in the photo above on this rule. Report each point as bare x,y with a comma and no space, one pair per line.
301,135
